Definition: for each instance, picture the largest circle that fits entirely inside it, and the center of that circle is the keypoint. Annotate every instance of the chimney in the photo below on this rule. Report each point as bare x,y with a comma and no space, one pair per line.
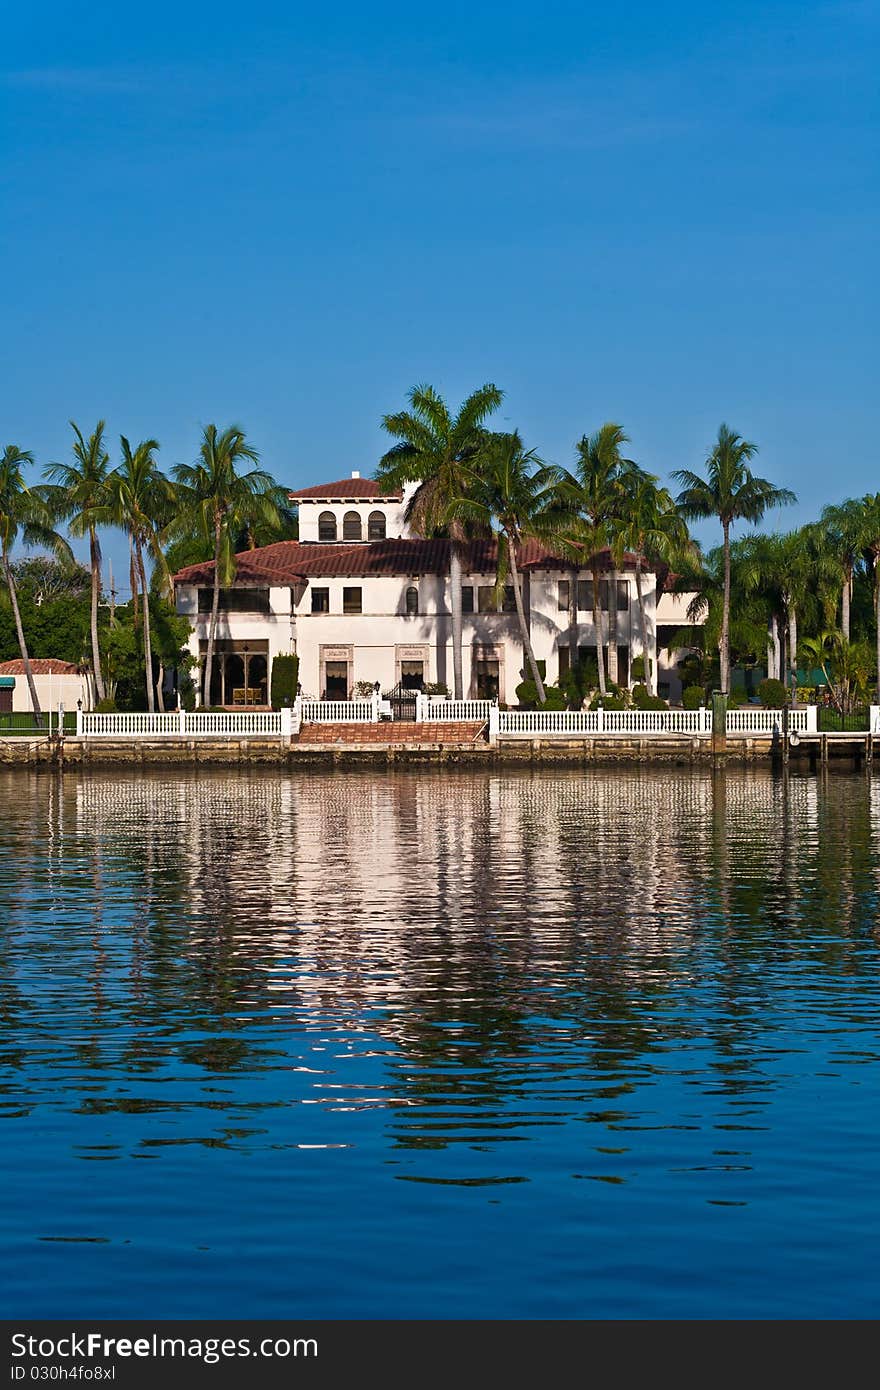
355,473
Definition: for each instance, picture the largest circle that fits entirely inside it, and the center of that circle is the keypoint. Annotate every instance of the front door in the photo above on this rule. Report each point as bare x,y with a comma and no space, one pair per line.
336,680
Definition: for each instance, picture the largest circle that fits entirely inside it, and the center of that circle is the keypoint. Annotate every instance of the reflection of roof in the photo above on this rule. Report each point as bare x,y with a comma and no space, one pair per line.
346,490
41,666
287,561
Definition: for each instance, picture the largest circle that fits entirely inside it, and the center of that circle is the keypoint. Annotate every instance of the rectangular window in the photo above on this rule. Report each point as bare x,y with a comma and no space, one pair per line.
486,594
564,661
467,598
236,600
508,603
585,595
352,601
320,600
622,596
564,598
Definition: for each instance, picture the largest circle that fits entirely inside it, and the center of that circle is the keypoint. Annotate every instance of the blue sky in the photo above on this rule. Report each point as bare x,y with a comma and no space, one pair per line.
285,215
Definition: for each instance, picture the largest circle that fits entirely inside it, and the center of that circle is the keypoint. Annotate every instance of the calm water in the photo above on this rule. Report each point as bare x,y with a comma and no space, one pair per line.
439,1045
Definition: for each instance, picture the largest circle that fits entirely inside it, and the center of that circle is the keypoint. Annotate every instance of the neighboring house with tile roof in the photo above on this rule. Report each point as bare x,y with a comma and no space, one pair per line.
57,682
360,599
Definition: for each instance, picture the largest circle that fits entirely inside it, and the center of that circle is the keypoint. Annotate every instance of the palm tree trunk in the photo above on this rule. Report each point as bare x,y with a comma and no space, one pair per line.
94,556
774,665
724,644
650,672
133,581
148,645
19,631
215,610
877,618
792,650
845,602
597,624
523,625
613,670
455,605
572,619
160,682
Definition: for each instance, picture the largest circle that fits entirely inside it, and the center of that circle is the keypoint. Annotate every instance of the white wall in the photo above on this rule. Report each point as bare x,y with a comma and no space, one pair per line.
51,691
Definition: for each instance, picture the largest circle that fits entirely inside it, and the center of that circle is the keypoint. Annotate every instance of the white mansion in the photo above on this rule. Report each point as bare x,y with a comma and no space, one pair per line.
360,599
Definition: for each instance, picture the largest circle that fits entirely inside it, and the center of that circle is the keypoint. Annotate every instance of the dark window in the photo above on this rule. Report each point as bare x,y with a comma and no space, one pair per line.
487,682
352,601
564,597
320,600
352,529
508,602
326,527
376,526
585,595
467,598
622,596
236,600
412,601
564,661
486,598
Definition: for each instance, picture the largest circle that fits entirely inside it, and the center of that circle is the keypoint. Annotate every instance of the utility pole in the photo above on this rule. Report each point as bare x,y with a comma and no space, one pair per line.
112,595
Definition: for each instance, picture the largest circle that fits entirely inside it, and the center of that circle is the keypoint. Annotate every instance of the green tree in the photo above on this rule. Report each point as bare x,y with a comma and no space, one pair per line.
80,498
843,525
440,453
650,526
215,500
871,551
23,516
594,494
519,493
139,499
730,492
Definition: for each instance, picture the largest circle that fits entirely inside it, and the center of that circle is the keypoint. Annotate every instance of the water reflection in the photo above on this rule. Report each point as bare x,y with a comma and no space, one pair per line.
468,981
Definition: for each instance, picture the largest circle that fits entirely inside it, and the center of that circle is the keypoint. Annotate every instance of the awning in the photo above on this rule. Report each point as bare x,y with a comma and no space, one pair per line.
7,682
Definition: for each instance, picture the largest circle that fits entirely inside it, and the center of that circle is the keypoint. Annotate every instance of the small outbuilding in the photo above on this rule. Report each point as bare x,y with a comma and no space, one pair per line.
57,682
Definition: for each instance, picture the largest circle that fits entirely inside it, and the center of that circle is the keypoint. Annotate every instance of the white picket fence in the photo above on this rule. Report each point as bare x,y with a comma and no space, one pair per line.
598,722
452,711
339,711
753,720
180,724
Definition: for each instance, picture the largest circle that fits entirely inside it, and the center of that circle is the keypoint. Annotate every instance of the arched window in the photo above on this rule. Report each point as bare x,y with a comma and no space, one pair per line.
326,527
351,527
376,526
412,601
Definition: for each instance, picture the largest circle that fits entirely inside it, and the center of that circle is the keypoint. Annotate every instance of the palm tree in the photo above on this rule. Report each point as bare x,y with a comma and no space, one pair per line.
79,498
844,524
139,499
731,492
654,530
24,515
218,501
439,452
595,494
871,551
518,492
787,566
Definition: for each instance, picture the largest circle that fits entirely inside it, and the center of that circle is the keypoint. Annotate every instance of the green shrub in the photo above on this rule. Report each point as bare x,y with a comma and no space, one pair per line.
653,702
693,696
637,670
608,702
436,688
771,693
527,695
285,674
106,706
640,693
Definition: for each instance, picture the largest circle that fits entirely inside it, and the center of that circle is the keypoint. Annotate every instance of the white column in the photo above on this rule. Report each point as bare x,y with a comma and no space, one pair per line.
813,719
79,719
375,704
494,722
181,713
286,723
874,724
600,721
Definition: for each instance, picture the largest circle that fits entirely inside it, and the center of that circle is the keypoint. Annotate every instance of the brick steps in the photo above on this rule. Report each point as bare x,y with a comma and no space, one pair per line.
389,733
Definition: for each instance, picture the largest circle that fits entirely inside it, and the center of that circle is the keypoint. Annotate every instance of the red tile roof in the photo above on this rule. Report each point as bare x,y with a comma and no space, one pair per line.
41,666
347,489
289,561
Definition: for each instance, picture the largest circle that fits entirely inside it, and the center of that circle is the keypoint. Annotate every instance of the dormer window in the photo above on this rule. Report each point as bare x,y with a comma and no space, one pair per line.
376,526
352,530
412,601
326,527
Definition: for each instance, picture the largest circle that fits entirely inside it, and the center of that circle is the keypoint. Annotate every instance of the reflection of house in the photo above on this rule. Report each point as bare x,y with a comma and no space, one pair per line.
359,598
57,683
